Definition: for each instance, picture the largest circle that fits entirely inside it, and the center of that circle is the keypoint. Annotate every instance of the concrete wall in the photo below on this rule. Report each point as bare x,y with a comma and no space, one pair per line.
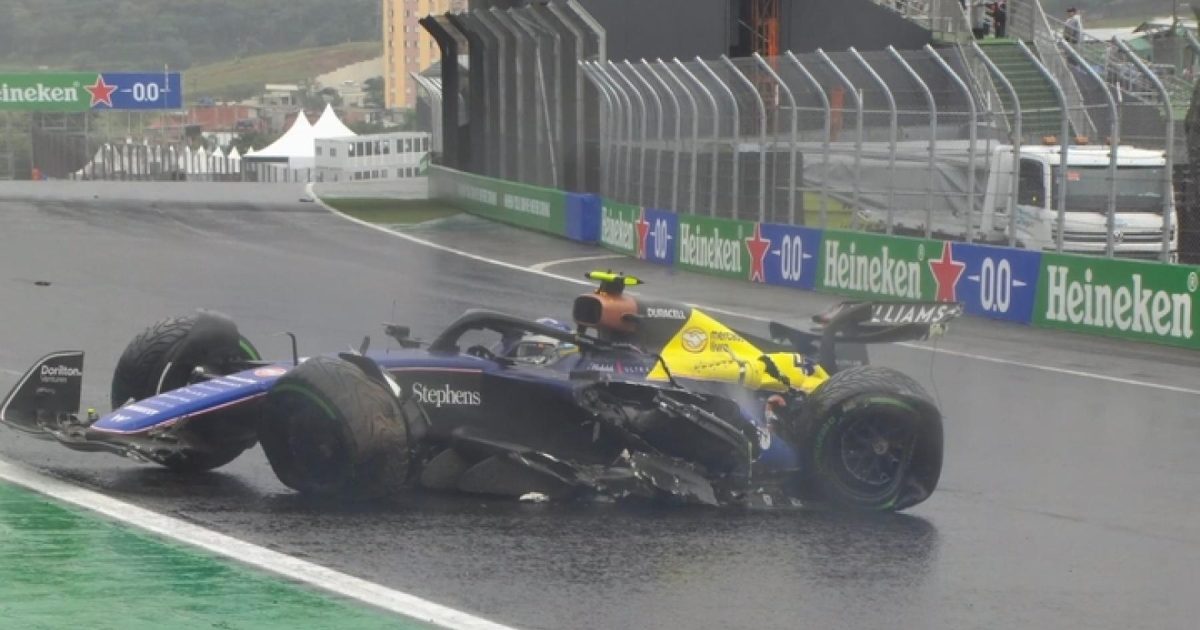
840,24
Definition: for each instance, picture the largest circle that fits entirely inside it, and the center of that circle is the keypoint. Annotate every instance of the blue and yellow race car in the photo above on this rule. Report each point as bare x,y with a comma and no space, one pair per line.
635,398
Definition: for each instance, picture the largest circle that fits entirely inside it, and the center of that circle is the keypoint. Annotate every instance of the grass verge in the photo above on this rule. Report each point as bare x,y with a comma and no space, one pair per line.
392,211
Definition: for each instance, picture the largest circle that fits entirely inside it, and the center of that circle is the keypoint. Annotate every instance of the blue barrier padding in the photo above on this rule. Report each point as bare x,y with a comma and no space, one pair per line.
583,218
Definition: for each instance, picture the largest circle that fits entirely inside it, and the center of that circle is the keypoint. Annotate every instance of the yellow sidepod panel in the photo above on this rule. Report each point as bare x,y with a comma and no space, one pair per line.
704,349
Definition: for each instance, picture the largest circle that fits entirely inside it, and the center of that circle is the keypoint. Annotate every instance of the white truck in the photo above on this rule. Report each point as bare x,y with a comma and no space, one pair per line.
1140,202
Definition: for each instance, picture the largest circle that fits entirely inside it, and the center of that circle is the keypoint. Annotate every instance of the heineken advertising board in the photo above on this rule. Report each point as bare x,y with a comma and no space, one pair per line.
619,227
90,91
875,266
789,255
1144,301
646,234
533,207
715,246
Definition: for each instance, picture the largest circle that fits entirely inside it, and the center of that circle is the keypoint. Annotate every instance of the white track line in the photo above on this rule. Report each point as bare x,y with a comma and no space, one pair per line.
563,261
965,355
247,553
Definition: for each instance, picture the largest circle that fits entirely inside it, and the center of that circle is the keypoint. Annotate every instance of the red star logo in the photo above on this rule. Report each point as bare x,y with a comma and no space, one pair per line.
946,273
643,230
101,92
758,247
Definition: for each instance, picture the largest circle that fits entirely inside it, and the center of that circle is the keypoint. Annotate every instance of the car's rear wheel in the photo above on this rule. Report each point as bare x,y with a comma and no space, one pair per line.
874,439
163,357
331,430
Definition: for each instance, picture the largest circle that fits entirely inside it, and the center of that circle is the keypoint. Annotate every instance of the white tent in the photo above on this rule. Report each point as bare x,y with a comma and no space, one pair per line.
330,126
296,147
199,162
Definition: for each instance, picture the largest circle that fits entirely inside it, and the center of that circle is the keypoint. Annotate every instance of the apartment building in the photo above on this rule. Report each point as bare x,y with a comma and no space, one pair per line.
407,47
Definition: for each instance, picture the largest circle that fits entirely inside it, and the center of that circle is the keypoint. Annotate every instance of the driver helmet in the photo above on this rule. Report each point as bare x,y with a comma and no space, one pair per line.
533,348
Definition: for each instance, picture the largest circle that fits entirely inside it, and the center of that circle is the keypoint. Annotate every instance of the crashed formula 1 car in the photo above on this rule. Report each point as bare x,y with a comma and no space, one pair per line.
637,398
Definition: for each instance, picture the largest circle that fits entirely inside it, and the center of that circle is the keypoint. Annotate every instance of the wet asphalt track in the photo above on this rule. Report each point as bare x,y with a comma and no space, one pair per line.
1065,500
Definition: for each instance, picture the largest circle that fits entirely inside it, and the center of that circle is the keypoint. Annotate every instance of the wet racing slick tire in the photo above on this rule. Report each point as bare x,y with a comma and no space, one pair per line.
162,357
331,430
874,440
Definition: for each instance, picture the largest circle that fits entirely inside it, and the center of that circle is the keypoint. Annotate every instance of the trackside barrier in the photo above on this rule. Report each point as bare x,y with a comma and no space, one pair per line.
1143,301
532,207
1129,299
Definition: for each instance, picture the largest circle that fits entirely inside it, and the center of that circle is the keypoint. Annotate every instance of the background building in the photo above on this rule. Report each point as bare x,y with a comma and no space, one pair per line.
407,47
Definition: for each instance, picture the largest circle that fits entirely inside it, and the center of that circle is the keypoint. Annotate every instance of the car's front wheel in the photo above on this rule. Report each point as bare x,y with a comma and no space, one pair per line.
331,430
163,357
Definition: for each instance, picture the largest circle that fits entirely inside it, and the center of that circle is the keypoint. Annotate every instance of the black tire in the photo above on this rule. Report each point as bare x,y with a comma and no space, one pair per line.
163,357
183,343
874,439
330,430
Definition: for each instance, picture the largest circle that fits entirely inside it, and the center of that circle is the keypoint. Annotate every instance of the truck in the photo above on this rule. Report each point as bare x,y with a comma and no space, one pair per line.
917,195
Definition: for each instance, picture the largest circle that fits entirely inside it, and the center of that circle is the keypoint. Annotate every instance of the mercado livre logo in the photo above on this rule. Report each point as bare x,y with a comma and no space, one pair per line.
882,274
710,251
1122,303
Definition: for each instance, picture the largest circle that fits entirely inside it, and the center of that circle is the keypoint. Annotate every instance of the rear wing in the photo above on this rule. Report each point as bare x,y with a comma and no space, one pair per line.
50,389
843,332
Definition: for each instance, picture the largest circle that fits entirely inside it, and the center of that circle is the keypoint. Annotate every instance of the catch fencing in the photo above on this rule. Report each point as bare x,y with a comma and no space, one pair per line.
899,142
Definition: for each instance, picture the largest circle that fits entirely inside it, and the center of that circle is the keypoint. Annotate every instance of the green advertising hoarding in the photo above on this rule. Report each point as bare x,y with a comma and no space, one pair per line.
618,227
47,92
1144,301
714,246
878,266
532,207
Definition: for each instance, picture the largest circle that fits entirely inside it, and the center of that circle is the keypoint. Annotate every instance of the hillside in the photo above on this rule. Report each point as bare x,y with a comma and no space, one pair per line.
238,78
148,34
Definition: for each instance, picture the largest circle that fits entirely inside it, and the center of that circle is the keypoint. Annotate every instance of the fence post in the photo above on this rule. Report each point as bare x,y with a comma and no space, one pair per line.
712,100
933,125
643,110
828,129
762,142
543,143
973,135
658,134
628,118
621,121
678,132
892,124
1168,190
787,90
606,125
1114,141
502,19
1015,180
1064,144
694,166
737,133
501,133
858,105
559,139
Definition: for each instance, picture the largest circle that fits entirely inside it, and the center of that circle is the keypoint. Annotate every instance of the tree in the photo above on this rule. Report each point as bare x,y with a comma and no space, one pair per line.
374,89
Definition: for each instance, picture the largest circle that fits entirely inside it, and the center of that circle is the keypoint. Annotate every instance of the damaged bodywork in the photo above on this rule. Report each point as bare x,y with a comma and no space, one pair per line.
635,398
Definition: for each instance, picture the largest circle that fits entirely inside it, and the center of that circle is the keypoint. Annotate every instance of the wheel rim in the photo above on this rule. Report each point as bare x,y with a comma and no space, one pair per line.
874,450
314,443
